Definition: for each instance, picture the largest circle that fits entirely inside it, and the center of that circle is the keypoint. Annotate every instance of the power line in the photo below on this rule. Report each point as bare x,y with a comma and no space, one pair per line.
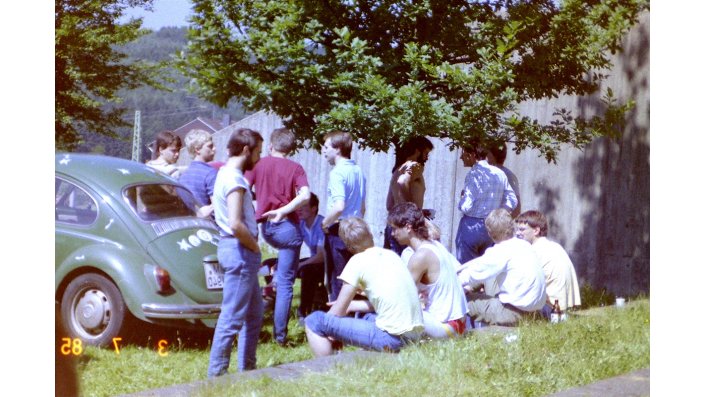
174,112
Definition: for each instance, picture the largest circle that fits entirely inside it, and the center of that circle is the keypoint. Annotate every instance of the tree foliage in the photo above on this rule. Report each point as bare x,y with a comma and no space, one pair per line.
389,70
166,107
89,70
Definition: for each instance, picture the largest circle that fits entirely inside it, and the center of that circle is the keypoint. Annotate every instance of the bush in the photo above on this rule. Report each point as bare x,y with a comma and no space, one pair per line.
591,297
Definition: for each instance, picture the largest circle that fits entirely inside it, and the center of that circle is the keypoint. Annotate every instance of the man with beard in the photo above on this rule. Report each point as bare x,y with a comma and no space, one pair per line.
239,256
407,183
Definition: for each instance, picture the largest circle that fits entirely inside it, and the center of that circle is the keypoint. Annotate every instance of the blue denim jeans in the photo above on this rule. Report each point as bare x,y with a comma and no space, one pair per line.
472,239
286,237
241,311
336,257
360,332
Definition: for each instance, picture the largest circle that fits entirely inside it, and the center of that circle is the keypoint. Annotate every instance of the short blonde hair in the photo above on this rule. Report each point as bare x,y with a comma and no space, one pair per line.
355,234
500,225
195,139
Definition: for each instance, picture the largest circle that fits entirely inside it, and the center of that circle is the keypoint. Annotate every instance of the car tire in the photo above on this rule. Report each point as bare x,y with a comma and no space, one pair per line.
92,309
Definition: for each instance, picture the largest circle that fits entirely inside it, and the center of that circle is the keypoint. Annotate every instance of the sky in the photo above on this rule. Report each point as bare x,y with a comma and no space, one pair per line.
165,13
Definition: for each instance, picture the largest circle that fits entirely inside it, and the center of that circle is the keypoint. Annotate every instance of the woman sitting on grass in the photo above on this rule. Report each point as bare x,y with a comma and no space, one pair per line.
379,274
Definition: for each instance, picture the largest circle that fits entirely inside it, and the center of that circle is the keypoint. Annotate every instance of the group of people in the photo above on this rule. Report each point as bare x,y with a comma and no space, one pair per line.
380,298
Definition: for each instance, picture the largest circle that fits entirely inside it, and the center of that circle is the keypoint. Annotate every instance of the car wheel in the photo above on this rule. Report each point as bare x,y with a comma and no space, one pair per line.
93,310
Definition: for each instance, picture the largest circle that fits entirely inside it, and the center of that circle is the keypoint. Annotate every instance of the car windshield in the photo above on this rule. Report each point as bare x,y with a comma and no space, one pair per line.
160,201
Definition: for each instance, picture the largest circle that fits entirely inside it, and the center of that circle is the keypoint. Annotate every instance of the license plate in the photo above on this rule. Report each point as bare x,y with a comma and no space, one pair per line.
214,275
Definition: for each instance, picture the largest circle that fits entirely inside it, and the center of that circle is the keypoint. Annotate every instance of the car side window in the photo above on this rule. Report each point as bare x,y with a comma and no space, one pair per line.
73,205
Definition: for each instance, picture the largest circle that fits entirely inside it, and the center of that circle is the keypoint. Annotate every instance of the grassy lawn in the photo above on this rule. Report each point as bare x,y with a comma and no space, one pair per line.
534,359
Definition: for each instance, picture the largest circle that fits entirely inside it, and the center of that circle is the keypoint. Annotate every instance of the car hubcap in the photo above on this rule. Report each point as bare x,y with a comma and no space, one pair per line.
93,311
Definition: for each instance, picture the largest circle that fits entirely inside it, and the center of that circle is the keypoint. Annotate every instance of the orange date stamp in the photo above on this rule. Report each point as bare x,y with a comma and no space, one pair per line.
74,346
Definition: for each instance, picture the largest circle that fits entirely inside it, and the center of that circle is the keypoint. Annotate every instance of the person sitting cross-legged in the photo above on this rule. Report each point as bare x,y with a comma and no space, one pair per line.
433,269
380,274
514,284
561,280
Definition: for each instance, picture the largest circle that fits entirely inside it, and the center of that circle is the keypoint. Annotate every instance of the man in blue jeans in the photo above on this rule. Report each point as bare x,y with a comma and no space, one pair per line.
380,274
281,187
239,256
345,198
486,188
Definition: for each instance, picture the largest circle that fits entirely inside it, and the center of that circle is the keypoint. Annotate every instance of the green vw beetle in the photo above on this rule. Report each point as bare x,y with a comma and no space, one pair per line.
130,247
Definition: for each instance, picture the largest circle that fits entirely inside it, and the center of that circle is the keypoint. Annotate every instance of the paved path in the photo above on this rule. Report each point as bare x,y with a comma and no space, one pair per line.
633,384
281,372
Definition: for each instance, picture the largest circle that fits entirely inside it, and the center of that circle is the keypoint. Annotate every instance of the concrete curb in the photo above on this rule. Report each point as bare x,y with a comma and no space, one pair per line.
280,372
633,384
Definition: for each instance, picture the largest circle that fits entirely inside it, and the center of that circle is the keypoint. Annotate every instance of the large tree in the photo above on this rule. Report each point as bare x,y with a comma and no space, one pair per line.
89,70
388,70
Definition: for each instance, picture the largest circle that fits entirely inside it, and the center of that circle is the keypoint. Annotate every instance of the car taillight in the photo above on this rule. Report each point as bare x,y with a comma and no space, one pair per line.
163,279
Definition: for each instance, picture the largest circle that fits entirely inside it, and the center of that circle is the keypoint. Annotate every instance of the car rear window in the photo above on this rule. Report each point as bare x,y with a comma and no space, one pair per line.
160,201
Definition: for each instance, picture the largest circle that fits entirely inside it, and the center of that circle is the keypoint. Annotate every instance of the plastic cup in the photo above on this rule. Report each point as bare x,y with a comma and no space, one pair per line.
619,302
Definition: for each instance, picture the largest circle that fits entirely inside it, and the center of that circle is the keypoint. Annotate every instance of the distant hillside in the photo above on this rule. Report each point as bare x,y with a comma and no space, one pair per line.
160,110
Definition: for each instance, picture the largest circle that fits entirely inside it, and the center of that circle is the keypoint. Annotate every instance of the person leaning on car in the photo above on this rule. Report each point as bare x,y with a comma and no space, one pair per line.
239,256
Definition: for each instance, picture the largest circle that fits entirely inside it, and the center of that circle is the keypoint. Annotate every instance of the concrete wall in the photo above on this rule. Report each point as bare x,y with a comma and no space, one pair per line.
597,200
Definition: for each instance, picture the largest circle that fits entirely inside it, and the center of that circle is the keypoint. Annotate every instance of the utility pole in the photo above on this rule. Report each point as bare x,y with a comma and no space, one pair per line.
137,138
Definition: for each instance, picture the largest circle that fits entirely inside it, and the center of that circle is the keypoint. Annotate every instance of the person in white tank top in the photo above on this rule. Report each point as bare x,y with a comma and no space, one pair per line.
433,269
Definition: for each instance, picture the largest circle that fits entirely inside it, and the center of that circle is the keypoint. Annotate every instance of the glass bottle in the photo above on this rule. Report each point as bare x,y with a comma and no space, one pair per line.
555,312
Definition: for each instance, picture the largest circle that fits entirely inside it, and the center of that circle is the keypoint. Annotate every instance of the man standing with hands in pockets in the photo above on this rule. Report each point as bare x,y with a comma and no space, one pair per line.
239,256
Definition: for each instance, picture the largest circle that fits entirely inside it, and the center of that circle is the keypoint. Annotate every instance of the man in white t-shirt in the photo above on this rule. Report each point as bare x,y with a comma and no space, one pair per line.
561,280
239,256
514,282
381,276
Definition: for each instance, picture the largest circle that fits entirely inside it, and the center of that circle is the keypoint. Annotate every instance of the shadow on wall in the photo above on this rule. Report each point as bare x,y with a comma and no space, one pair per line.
550,199
613,179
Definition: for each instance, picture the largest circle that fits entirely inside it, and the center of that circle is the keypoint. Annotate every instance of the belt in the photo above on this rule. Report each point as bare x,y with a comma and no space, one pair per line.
514,308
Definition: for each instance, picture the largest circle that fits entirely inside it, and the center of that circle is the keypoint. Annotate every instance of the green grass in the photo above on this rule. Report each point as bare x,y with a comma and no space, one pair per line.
594,344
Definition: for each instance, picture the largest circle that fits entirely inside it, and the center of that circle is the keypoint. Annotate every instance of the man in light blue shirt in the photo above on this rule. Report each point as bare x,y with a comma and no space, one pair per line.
345,198
486,188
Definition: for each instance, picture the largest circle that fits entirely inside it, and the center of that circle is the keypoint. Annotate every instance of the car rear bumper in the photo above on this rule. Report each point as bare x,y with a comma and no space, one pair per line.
154,310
